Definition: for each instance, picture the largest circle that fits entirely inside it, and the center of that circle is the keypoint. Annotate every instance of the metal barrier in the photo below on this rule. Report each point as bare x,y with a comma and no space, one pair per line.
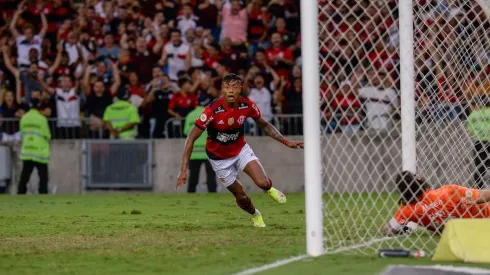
174,128
83,128
287,124
117,164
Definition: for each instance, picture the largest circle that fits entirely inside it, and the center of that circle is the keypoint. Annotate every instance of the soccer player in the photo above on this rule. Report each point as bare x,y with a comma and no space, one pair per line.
431,208
227,151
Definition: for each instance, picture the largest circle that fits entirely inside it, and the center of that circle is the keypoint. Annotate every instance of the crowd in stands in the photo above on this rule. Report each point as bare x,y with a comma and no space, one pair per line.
172,54
361,64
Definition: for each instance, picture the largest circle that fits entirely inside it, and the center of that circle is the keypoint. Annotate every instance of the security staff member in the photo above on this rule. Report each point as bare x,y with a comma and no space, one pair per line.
121,117
35,150
479,126
198,156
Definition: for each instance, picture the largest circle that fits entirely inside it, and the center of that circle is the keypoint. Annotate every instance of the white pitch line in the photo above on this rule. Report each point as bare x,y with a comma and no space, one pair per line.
272,265
371,242
302,257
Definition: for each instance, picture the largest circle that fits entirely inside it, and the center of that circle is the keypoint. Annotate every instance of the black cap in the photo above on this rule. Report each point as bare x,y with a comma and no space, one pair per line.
204,100
34,103
123,92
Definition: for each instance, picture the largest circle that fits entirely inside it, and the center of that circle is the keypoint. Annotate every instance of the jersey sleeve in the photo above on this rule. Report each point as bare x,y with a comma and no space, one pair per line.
402,216
204,119
254,111
464,194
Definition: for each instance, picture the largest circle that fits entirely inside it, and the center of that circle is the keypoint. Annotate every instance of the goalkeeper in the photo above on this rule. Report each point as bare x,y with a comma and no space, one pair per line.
431,208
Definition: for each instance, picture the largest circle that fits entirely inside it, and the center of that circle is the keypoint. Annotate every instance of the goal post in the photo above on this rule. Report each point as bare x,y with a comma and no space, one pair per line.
311,125
407,86
388,86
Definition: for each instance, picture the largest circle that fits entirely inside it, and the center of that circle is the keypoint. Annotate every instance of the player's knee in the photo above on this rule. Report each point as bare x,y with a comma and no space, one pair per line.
264,183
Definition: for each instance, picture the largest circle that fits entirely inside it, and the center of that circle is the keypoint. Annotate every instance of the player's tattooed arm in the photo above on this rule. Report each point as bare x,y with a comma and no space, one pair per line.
271,131
193,135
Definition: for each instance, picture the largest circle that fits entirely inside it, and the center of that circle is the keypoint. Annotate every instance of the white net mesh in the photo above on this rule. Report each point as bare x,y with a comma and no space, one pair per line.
360,93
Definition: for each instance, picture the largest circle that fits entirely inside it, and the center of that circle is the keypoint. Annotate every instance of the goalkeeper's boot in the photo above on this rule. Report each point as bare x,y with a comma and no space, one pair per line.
276,195
257,219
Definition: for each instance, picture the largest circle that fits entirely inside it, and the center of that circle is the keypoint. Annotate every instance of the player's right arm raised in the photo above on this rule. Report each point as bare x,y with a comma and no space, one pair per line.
193,135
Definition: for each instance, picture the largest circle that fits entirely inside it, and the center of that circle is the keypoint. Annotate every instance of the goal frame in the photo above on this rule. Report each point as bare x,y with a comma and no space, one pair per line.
311,127
311,114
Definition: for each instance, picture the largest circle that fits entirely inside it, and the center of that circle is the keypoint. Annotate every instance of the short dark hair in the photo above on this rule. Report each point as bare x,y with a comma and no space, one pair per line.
410,187
174,30
215,45
232,77
183,80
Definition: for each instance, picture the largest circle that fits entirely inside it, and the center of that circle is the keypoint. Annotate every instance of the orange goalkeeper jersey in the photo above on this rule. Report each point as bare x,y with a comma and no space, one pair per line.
439,205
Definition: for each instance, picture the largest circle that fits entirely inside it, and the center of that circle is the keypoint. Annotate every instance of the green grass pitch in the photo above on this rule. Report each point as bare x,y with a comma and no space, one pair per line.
160,234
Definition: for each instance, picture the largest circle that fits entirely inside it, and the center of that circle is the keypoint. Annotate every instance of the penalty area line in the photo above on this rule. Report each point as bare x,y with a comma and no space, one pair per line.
305,256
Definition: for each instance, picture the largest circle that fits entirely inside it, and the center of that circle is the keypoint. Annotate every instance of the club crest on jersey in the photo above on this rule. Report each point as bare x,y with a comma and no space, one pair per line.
242,105
218,110
203,117
241,120
231,121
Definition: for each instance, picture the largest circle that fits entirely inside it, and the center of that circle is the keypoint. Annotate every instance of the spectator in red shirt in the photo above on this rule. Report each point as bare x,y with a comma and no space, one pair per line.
181,104
288,38
258,25
280,57
144,59
212,56
208,17
235,59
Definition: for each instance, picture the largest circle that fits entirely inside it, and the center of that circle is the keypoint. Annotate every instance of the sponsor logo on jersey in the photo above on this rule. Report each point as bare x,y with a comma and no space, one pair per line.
231,121
221,122
433,205
242,105
218,110
203,117
241,120
223,137
256,108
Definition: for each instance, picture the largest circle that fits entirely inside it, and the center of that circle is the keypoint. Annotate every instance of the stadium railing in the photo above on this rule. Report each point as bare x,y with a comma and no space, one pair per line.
287,124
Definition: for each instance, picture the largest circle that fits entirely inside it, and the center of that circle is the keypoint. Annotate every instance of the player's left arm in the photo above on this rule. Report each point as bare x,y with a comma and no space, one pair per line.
470,195
271,131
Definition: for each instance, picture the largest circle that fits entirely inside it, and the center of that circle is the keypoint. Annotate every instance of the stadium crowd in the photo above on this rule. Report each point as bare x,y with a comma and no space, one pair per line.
171,55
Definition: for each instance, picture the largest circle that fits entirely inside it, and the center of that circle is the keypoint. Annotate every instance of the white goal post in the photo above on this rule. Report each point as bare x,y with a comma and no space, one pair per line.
388,86
311,124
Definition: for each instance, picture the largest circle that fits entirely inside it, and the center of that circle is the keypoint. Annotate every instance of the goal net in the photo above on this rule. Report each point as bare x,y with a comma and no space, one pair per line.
360,72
